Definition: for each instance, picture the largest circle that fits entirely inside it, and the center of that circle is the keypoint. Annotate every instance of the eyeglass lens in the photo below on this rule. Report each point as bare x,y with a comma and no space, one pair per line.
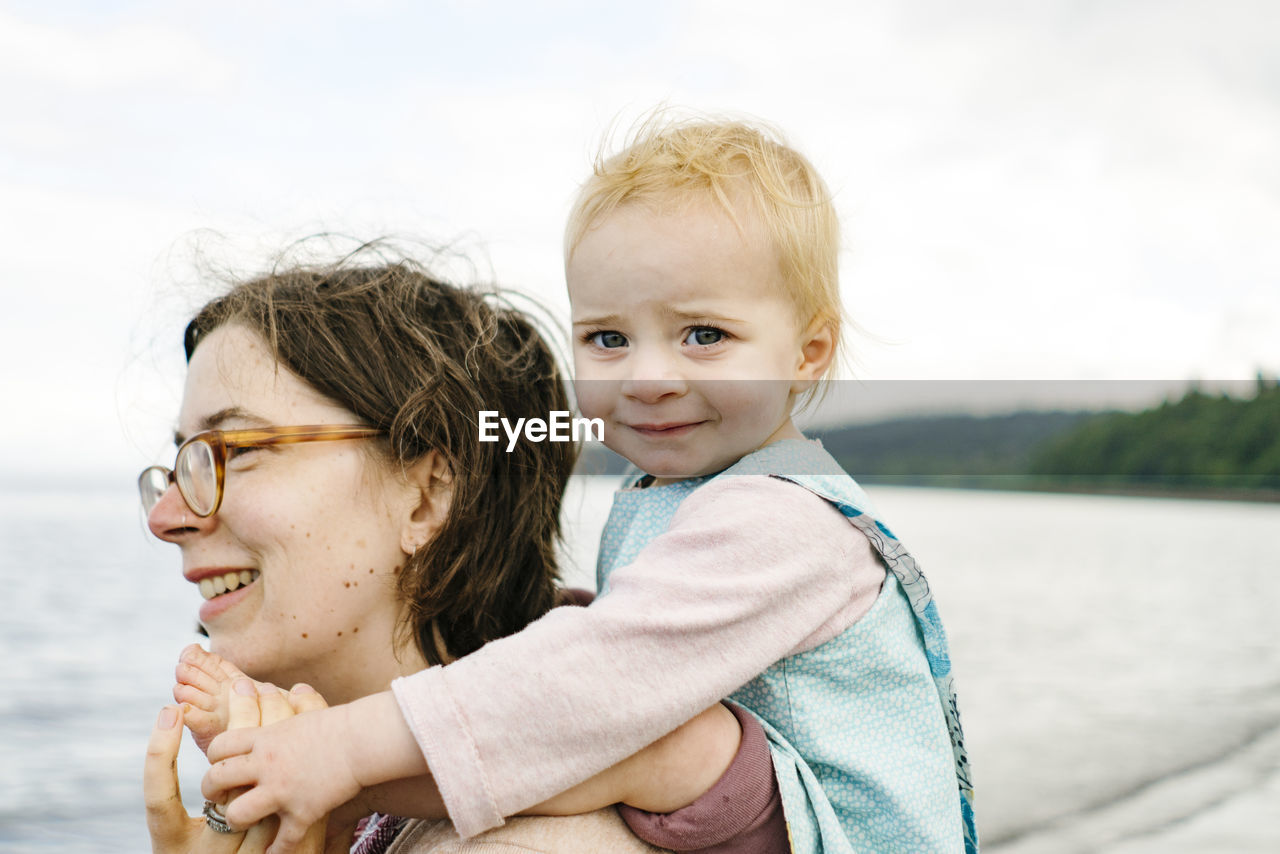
151,486
197,476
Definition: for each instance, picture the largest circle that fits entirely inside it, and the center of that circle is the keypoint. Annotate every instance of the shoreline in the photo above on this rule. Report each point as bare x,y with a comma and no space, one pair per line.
1020,483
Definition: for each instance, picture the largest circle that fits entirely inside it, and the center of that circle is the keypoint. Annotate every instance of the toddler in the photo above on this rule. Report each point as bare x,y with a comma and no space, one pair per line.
740,562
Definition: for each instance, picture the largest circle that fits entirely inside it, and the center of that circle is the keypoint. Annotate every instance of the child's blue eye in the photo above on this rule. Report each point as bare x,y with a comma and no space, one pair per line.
704,336
608,340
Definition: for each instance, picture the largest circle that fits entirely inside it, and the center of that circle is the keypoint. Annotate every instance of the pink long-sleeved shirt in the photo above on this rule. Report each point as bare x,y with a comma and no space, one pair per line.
751,569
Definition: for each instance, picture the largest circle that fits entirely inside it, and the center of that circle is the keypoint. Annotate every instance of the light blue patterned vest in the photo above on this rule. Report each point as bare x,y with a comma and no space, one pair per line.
864,730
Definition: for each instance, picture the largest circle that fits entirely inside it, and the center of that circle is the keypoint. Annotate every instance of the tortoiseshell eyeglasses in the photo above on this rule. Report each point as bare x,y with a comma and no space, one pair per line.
201,465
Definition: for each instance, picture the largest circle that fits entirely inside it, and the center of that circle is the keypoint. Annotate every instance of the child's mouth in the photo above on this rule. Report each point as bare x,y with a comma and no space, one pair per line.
216,585
664,430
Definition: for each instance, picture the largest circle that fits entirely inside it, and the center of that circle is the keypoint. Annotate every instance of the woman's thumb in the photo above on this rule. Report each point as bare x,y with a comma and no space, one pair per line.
166,818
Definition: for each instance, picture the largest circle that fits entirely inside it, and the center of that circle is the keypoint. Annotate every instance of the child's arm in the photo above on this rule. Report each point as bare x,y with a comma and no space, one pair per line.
172,830
707,785
741,813
671,773
295,772
668,775
678,793
746,574
749,571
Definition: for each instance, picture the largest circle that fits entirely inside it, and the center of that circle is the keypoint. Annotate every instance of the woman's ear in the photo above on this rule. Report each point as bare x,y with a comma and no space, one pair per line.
817,349
431,495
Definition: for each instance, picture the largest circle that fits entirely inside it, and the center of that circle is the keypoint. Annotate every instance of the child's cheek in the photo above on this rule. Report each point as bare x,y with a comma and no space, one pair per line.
595,397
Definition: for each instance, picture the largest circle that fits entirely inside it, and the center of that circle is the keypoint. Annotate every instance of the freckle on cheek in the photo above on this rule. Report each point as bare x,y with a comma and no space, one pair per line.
339,634
356,629
304,634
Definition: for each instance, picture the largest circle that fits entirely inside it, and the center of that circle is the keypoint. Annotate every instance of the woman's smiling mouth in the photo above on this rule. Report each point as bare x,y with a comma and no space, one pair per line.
216,585
222,590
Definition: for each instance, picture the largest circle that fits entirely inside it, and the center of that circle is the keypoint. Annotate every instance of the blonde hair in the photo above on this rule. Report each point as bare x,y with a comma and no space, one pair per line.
731,162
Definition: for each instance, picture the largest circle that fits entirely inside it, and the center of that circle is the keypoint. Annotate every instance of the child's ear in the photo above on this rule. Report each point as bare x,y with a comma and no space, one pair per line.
817,349
430,496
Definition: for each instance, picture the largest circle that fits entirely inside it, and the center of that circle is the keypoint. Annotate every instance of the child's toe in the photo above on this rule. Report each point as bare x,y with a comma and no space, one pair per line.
193,696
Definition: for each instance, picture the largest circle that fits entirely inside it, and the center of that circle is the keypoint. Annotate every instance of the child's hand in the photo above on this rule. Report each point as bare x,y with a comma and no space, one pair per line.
172,830
296,768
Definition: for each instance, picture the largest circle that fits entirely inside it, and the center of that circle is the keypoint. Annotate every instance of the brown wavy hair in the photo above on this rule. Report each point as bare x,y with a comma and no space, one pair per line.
418,359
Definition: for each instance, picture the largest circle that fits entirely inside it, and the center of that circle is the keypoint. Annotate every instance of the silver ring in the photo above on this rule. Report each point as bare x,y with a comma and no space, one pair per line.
215,818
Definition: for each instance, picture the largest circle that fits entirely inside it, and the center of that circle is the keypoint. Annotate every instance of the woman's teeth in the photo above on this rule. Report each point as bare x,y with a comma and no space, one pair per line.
216,585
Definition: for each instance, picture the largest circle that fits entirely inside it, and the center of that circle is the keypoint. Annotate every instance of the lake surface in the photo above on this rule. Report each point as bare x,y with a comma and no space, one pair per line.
1104,647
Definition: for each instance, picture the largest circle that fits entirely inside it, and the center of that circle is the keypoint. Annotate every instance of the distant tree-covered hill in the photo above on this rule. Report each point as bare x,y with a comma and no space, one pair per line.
919,449
1207,441
1211,444
946,446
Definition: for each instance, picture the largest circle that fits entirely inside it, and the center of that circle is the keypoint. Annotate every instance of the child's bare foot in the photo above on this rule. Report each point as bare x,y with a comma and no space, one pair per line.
204,684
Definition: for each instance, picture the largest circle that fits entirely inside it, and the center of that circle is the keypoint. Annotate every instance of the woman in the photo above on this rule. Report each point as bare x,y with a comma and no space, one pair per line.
333,503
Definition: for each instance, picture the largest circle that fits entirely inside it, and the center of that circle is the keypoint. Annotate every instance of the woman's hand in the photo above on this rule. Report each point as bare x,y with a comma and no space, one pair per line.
303,769
175,832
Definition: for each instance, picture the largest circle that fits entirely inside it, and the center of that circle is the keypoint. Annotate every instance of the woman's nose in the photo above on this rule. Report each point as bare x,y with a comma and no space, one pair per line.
171,519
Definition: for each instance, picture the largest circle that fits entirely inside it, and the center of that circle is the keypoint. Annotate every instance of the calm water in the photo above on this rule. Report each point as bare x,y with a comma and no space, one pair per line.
1101,644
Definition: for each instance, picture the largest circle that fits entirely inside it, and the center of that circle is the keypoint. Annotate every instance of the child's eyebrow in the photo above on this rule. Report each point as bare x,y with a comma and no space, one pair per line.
694,316
605,320
669,312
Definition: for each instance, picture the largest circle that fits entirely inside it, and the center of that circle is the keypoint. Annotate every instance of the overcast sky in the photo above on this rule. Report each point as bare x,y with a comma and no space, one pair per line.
1040,191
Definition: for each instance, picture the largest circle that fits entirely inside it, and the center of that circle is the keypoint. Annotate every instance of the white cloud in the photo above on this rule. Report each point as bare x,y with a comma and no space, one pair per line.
1049,190
117,58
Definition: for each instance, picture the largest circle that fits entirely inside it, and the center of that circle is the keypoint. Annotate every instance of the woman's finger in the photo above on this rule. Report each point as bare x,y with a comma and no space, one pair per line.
258,837
295,838
242,704
167,821
172,830
214,842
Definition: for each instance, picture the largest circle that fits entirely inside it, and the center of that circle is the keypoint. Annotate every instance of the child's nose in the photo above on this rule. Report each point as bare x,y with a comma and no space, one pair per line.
652,377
